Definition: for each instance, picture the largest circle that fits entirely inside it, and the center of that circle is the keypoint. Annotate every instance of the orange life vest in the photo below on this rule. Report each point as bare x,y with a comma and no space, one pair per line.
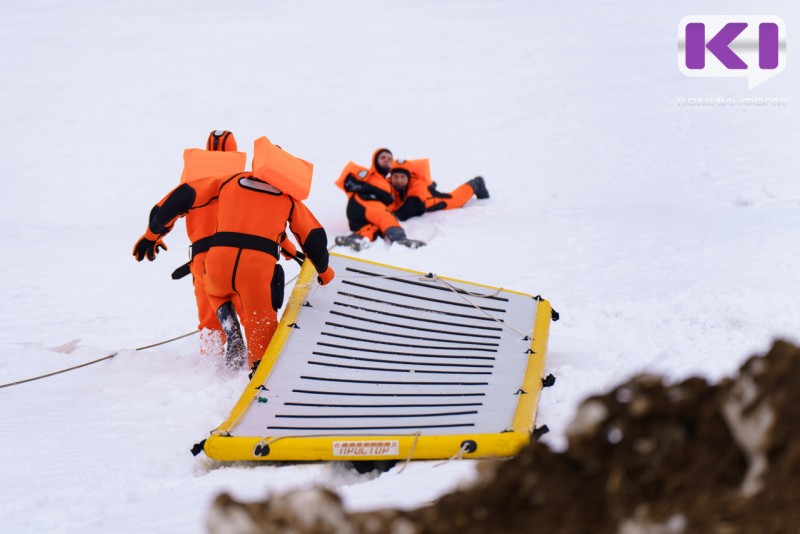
197,164
351,168
290,174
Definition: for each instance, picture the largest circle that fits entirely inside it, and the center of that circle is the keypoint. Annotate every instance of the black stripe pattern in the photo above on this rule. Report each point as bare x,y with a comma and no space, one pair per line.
383,351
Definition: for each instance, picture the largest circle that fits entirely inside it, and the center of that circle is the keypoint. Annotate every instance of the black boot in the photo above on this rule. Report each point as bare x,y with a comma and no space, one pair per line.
253,370
479,186
236,352
354,241
395,234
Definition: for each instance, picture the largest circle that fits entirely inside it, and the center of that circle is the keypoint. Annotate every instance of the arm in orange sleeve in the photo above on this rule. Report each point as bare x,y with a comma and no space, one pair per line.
312,239
183,198
290,252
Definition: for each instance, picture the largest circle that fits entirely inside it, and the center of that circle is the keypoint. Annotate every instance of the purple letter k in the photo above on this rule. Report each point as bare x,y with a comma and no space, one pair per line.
718,45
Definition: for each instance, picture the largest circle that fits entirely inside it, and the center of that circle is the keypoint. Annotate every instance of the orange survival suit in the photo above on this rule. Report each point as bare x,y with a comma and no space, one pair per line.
369,196
241,273
420,195
219,158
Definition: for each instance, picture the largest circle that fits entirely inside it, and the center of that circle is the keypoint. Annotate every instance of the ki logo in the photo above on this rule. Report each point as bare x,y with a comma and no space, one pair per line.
746,46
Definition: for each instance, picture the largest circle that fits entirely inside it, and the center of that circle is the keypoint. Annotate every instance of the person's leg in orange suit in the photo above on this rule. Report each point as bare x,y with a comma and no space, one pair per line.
220,263
212,338
368,231
258,316
368,217
242,277
457,198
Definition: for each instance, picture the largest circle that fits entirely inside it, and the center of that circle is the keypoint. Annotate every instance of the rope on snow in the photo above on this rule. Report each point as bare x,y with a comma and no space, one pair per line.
94,361
110,355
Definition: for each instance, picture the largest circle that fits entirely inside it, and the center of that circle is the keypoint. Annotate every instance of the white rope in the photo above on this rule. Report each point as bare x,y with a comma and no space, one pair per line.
410,453
462,292
267,441
457,291
487,314
95,361
457,456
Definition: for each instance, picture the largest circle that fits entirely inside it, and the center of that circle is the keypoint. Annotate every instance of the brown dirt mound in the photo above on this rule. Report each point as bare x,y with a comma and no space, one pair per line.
644,458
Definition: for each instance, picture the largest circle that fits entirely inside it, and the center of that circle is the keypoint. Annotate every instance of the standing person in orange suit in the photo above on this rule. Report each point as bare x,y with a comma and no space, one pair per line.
369,196
414,193
219,158
242,278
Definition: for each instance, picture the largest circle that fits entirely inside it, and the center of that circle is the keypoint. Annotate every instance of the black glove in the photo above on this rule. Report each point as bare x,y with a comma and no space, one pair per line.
353,184
376,194
147,248
436,207
366,191
412,207
437,194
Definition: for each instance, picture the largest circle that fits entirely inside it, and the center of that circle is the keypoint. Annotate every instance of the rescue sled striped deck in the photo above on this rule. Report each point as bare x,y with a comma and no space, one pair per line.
385,363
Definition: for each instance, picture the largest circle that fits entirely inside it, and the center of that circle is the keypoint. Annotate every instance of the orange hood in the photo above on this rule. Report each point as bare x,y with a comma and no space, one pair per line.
374,167
221,140
415,168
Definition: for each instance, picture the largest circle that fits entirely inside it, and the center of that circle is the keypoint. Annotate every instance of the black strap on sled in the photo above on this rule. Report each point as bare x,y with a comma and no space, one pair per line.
197,448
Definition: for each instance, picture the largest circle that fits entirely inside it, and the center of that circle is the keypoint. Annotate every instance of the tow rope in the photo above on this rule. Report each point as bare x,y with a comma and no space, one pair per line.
94,361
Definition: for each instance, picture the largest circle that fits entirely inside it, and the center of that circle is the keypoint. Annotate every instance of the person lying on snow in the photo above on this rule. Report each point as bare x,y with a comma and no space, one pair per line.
414,193
371,212
369,196
241,272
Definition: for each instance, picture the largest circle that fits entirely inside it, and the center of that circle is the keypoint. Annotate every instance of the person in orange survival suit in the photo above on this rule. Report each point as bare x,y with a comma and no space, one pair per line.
220,157
415,194
368,196
241,272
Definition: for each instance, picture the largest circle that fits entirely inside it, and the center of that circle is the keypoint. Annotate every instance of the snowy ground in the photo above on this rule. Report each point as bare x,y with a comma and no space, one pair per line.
664,234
